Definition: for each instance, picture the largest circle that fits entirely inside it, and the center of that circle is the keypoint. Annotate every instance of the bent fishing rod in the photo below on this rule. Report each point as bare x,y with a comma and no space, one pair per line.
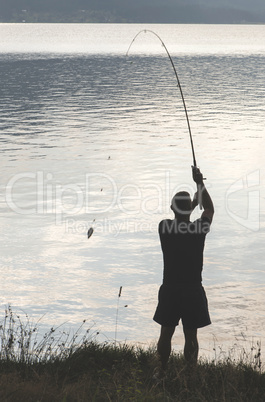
91,229
179,86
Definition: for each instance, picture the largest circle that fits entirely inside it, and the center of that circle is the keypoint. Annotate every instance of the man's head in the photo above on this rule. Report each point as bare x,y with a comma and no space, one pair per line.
181,203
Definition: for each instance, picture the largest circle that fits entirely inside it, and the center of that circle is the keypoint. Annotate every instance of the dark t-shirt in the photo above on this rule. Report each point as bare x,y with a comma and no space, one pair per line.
182,245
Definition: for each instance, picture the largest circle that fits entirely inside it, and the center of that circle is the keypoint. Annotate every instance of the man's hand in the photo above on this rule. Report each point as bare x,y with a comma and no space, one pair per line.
197,175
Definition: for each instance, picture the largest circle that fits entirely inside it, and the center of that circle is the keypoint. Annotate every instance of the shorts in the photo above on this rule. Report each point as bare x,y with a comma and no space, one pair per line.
186,302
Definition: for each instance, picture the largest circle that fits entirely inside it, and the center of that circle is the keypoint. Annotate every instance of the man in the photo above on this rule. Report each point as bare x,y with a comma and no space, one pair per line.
181,296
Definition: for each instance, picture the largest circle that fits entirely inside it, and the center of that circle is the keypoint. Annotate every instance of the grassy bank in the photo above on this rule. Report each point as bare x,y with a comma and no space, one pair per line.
62,368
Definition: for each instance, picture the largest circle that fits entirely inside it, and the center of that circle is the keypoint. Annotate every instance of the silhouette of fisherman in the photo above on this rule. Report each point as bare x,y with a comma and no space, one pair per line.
181,295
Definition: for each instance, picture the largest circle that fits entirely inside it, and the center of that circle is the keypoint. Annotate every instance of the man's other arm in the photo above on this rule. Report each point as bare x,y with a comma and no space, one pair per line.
202,195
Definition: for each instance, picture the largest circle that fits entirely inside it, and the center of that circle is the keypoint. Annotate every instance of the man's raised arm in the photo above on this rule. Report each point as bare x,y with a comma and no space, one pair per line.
202,196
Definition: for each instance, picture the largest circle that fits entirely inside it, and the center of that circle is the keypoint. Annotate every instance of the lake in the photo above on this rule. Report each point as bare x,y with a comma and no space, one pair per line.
90,137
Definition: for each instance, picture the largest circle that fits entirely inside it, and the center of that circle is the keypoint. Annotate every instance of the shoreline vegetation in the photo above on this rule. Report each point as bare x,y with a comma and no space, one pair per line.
63,367
78,17
94,17
90,18
136,13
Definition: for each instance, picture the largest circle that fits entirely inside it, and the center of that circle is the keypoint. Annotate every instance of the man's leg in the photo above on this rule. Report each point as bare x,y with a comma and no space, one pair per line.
191,348
164,345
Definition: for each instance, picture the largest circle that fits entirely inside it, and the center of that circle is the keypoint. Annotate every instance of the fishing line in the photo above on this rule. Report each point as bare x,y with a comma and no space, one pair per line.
179,86
91,228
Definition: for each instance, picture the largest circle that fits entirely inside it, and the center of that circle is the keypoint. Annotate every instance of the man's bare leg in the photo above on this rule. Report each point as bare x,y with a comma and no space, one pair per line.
191,348
164,345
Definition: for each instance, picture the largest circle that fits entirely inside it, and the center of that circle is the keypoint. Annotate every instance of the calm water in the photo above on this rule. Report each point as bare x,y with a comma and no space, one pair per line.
90,136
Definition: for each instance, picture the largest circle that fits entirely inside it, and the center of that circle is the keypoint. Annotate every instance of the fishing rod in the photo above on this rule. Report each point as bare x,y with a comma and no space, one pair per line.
179,86
91,229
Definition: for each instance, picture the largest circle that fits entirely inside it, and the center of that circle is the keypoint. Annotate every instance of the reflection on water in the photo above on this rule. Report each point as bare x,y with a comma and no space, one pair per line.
104,137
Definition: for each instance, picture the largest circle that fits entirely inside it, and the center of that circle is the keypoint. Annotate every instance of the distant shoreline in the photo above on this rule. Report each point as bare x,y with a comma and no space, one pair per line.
88,17
134,23
137,12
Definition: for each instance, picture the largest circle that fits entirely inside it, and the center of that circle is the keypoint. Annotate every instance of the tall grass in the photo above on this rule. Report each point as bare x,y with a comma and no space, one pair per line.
63,367
22,343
